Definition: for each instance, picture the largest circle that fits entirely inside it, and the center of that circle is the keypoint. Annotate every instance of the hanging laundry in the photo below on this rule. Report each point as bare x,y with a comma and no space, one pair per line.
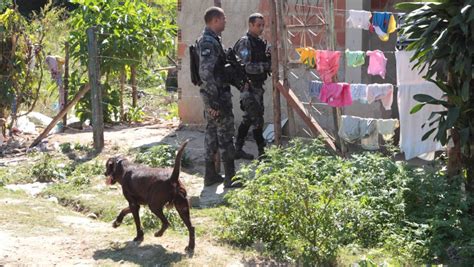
355,128
411,131
355,58
336,94
307,56
377,63
359,19
371,142
386,127
327,64
383,92
384,24
359,92
315,88
405,72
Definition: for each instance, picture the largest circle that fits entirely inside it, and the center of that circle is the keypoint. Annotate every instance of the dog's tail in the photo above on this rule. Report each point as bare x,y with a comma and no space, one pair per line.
177,162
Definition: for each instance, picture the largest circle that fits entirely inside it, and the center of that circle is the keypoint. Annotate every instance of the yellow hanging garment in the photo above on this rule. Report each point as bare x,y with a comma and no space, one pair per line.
307,56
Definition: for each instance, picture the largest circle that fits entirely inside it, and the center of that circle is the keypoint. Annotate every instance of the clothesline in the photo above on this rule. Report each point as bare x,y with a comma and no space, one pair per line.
347,10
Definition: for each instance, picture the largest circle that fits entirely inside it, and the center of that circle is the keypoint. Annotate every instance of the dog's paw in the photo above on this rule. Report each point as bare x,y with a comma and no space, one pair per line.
159,233
138,239
189,249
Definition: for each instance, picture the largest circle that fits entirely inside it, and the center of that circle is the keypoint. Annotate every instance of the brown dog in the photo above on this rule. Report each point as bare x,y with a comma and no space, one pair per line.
156,187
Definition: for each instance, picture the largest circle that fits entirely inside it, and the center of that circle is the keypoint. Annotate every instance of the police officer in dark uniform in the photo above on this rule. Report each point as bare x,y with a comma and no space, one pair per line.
254,53
215,93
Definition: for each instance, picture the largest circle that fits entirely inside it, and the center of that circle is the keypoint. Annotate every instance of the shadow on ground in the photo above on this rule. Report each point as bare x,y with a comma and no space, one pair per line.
142,255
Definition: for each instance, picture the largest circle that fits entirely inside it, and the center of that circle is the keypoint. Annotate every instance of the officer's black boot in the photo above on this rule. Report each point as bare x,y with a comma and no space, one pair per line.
239,143
211,176
258,136
229,169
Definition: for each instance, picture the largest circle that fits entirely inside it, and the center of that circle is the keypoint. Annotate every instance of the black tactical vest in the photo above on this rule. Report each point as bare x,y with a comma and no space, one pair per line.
257,50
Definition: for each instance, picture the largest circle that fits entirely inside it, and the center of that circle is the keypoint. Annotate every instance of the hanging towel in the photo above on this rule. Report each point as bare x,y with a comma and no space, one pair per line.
384,23
384,92
359,19
411,131
327,64
377,63
386,127
359,92
355,128
315,88
307,56
405,72
355,58
336,94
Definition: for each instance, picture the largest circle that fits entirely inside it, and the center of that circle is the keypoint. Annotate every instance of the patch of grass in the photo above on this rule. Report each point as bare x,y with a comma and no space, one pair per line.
19,174
172,111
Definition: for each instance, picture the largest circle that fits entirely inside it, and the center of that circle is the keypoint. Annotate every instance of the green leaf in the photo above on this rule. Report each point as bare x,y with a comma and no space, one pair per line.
424,98
464,135
427,134
453,115
416,108
465,91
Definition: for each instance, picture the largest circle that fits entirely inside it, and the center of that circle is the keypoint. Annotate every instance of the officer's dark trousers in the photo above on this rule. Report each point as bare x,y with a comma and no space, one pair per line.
220,131
252,119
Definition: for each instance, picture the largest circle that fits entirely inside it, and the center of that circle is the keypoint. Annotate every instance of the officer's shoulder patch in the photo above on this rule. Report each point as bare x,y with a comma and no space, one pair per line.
244,53
205,52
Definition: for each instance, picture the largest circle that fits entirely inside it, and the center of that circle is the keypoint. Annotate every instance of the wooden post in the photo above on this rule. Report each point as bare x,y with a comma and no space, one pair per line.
337,112
122,91
66,82
133,78
284,56
58,117
275,73
94,81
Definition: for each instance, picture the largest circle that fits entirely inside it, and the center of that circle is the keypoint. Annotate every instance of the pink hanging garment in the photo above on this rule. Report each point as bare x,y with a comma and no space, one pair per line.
336,94
327,64
377,63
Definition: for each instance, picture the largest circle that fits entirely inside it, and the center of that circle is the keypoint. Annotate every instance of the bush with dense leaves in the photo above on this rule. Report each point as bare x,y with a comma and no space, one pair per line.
304,204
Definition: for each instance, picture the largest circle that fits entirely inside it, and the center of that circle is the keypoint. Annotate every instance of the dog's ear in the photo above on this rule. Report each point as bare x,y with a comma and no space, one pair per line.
118,163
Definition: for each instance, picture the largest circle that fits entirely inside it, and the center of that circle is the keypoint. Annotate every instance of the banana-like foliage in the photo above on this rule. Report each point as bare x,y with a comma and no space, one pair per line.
443,34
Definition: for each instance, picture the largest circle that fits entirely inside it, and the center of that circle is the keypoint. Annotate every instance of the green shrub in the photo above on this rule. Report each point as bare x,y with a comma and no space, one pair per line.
47,170
305,204
161,155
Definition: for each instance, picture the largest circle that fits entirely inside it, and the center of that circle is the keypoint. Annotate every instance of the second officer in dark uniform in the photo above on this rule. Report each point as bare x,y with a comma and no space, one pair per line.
253,52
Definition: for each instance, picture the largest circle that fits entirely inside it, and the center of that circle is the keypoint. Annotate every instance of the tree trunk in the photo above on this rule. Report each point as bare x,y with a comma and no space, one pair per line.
454,155
469,166
133,77
122,90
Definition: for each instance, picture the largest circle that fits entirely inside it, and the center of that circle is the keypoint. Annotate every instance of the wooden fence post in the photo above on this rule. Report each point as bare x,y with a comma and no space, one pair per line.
96,96
275,74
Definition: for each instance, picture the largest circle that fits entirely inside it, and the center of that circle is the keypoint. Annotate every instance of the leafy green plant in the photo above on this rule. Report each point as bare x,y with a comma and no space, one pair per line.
443,45
135,114
305,204
47,170
162,155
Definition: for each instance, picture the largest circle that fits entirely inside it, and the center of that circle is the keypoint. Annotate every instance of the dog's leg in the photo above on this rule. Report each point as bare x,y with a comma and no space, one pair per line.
135,208
158,211
119,219
182,206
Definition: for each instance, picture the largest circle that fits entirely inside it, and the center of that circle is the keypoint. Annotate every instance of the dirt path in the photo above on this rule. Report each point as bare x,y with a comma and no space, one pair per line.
40,232
35,231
